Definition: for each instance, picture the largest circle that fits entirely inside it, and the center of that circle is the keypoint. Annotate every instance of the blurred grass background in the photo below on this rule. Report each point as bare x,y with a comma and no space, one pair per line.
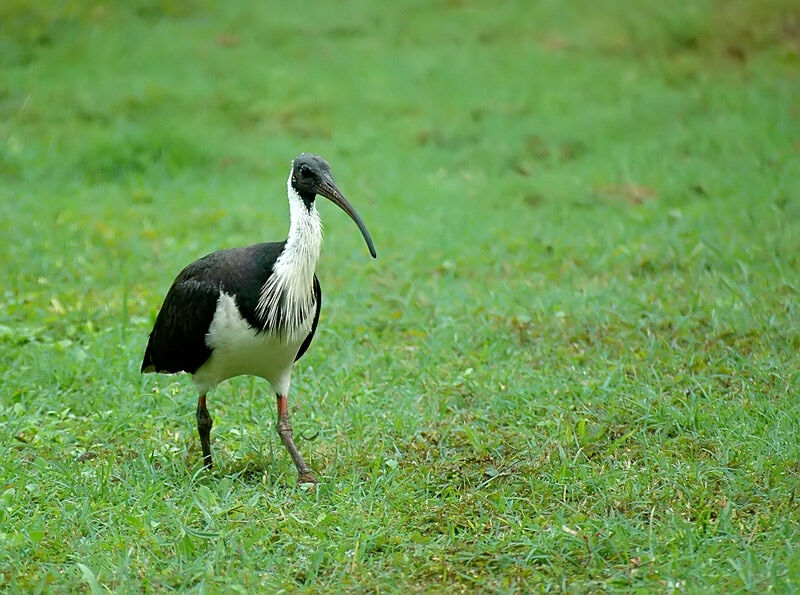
574,364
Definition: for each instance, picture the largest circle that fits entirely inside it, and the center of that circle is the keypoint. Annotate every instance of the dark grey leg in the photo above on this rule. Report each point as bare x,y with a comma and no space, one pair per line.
304,474
204,423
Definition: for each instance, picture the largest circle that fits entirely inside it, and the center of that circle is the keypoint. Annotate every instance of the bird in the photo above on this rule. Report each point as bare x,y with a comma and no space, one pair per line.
251,310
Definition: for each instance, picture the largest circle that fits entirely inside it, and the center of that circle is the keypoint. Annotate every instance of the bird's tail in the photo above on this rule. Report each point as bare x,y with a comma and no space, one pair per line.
147,361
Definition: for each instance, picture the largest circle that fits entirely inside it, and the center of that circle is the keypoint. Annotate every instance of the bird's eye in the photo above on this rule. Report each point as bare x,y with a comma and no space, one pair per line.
304,170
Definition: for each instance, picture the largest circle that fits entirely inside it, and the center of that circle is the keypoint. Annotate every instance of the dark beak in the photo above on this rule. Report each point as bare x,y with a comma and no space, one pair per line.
328,189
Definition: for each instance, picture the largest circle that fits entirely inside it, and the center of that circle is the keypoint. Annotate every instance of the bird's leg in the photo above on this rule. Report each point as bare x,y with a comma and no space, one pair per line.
204,423
285,432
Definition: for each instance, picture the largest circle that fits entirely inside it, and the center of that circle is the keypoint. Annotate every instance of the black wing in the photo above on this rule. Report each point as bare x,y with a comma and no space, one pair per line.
178,340
318,299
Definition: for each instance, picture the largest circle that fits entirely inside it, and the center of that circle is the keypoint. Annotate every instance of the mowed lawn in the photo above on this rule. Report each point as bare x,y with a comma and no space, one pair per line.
573,366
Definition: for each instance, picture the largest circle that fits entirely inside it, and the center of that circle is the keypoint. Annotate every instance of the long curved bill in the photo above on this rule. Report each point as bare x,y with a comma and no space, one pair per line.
328,189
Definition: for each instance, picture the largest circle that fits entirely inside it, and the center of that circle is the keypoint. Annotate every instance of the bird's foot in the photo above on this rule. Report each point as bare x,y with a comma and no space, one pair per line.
306,477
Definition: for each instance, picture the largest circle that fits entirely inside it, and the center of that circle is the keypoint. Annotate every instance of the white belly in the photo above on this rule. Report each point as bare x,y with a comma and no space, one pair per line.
238,349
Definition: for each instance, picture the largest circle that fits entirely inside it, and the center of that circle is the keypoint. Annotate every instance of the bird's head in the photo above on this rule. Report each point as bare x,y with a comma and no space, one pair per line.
311,175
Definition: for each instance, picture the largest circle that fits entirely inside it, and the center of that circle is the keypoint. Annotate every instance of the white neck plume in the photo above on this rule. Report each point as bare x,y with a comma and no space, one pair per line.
286,302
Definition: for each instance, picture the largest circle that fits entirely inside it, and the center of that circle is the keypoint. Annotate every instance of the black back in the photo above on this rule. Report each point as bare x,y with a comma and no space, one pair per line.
178,340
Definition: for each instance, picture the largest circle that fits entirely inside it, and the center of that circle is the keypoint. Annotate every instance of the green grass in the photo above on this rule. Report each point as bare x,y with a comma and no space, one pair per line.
574,364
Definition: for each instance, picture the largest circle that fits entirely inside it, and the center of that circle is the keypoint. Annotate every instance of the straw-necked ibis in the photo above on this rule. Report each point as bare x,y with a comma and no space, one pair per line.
251,310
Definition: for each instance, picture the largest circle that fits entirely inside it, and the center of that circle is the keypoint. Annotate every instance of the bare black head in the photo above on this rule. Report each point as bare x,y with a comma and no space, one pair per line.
308,171
311,175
